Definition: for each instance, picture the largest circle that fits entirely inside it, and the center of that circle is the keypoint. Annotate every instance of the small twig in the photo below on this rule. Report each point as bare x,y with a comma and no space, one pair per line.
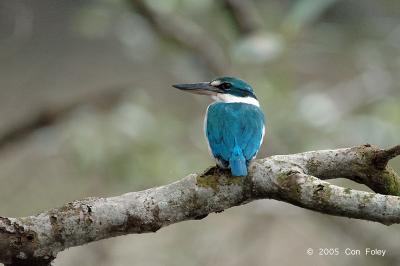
382,157
244,15
187,34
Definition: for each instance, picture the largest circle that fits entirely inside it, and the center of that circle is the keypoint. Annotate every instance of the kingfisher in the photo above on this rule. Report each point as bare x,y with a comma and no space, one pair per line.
234,124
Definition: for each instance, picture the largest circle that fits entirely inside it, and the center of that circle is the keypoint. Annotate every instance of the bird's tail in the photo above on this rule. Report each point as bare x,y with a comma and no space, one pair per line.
237,162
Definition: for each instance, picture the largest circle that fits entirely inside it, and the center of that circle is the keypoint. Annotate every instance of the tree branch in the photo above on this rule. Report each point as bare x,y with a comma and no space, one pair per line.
244,15
296,179
185,33
56,112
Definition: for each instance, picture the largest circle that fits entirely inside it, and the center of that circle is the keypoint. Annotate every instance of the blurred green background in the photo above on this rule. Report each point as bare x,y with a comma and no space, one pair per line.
326,73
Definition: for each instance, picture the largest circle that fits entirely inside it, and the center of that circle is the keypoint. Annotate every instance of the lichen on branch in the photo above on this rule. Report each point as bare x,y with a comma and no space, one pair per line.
298,179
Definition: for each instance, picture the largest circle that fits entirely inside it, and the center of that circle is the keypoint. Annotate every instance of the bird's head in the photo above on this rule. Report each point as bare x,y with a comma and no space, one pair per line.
227,89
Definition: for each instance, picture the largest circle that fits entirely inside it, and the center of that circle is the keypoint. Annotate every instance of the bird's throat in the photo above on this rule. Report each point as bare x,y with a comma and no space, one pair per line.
228,98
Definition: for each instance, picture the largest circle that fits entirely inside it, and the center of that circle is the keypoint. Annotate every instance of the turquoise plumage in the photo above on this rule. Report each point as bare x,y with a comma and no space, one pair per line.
234,124
234,132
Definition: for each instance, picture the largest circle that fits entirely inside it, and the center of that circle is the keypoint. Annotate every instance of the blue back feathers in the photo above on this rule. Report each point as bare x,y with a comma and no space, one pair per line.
234,132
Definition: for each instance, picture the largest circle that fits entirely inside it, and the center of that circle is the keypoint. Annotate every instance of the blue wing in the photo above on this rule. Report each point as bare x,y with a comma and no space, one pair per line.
234,124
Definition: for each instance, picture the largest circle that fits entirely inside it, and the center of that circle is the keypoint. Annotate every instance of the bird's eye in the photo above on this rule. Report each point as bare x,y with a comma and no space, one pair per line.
225,86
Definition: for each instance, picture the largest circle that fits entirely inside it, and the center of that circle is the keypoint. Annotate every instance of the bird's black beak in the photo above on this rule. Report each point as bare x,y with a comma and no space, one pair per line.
204,88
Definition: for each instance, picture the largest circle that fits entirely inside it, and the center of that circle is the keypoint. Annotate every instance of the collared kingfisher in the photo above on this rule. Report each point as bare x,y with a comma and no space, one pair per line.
234,123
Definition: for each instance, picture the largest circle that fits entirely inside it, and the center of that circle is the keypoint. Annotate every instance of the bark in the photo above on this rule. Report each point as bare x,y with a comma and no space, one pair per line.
297,179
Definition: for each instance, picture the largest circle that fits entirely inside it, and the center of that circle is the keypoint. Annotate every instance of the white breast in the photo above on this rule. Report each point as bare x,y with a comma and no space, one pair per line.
205,131
261,141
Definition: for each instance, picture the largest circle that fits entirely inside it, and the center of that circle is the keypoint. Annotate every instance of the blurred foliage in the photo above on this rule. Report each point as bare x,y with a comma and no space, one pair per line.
132,139
325,72
305,12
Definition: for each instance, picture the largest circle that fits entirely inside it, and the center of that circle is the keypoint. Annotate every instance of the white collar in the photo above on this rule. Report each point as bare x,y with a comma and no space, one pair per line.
228,98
